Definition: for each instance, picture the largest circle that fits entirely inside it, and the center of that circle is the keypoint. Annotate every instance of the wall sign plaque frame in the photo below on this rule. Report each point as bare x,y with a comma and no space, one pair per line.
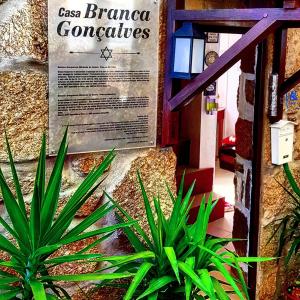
103,73
212,37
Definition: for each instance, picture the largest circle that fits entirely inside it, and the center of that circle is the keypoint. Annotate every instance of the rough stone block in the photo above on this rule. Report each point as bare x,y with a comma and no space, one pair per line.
23,29
157,168
23,112
244,138
293,57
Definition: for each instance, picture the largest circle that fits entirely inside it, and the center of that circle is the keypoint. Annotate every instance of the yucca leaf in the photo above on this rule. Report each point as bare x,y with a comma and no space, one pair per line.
11,231
50,201
160,214
15,178
62,224
8,247
187,199
252,259
95,233
188,281
47,250
241,277
52,248
197,227
171,255
9,295
86,277
214,254
137,227
149,214
81,195
291,179
37,198
38,290
176,208
220,290
95,243
8,280
293,248
179,217
19,222
88,183
157,284
129,258
171,194
90,220
227,276
207,281
138,278
71,258
132,237
186,269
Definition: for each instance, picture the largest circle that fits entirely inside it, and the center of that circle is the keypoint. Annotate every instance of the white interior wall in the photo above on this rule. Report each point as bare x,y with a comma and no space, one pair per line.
228,86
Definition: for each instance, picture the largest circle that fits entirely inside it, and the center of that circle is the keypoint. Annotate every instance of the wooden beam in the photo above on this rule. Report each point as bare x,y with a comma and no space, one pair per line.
255,35
237,15
289,84
168,132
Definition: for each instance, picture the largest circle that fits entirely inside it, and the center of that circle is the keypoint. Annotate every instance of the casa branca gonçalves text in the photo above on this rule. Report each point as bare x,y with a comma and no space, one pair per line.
68,27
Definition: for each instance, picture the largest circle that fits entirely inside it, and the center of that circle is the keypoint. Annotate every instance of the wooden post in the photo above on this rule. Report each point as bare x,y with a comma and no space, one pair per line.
169,130
291,4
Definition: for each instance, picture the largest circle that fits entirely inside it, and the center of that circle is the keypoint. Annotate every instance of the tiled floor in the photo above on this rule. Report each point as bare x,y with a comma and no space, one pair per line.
223,228
224,185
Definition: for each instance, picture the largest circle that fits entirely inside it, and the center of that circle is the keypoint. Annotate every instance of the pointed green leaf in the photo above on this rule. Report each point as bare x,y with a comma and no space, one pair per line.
15,178
220,290
188,281
156,285
140,275
86,277
137,227
50,201
37,198
19,222
38,290
171,255
149,213
227,276
207,281
185,268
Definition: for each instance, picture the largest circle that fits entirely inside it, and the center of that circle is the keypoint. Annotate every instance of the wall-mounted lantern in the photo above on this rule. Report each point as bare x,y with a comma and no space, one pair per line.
188,53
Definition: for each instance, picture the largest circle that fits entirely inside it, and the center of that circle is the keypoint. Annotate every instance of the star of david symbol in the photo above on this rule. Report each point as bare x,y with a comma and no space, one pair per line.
106,53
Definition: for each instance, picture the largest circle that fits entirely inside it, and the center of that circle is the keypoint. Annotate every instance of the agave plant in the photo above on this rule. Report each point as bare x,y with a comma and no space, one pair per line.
179,261
289,227
30,239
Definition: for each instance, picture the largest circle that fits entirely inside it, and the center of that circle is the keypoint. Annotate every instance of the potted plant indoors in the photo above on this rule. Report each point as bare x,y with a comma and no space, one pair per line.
30,239
289,233
177,260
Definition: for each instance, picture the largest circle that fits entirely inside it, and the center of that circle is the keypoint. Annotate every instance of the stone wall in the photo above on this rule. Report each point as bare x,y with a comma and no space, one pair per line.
275,203
24,116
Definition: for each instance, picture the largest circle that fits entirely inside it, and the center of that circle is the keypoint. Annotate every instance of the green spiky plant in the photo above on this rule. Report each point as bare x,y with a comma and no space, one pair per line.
289,227
30,240
179,261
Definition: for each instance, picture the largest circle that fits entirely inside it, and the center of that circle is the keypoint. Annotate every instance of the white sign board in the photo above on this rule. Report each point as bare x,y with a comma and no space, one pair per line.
103,73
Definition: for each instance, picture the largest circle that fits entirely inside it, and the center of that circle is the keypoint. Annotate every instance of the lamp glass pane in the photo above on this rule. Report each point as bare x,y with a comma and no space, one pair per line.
182,55
198,56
